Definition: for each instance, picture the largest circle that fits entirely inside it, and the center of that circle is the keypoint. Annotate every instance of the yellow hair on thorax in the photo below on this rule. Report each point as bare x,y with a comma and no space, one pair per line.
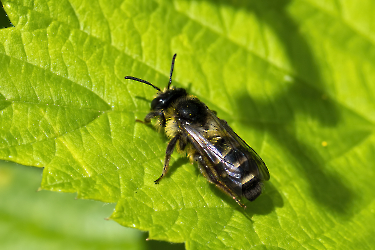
171,128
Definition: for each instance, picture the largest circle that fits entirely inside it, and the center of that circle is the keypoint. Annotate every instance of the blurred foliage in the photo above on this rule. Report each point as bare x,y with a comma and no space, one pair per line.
45,220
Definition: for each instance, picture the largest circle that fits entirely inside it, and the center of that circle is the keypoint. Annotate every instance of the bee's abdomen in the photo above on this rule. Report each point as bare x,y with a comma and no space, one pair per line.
252,189
239,169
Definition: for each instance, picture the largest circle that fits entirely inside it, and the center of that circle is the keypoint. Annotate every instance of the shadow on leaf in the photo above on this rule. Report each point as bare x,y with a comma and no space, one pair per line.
306,95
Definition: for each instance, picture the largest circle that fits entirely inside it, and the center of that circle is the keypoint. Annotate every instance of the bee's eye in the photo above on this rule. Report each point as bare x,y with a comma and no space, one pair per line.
157,103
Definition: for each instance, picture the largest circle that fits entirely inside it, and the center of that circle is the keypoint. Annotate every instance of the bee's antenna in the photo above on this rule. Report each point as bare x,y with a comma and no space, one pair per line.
144,81
172,66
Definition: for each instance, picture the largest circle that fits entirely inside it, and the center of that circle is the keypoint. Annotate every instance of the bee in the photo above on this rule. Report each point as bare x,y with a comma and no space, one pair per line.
222,156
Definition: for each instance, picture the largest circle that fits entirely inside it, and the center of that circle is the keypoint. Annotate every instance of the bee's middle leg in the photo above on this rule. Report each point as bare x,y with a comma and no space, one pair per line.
168,153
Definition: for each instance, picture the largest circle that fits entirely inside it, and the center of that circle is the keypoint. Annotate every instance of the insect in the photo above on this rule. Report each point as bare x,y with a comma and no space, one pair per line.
222,156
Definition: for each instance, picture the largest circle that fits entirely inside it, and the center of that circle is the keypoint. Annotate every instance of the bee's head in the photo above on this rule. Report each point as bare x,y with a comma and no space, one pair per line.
164,98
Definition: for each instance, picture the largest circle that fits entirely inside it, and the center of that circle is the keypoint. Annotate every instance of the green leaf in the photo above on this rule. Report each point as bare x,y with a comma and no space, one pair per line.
45,220
292,78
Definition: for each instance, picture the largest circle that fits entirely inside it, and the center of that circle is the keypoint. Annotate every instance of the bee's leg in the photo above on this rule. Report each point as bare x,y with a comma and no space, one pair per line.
213,178
163,121
182,144
168,154
152,115
228,192
203,168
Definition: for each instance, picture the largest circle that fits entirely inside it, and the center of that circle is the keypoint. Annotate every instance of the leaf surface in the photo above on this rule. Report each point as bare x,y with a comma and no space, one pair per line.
292,78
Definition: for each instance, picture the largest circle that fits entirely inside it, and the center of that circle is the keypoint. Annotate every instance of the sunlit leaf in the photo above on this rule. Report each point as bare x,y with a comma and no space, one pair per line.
292,78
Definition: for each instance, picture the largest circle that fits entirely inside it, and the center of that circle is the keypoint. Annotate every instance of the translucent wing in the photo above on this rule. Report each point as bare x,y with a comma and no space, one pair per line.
219,167
232,161
263,170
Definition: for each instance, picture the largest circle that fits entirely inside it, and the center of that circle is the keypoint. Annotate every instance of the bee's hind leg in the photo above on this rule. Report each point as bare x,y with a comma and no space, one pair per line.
213,178
168,153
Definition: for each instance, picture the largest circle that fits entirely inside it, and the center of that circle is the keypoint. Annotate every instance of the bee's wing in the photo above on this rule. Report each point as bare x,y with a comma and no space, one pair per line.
263,170
217,157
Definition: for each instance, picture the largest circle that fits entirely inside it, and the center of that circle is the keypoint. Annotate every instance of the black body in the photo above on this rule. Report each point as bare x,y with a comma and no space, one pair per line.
223,157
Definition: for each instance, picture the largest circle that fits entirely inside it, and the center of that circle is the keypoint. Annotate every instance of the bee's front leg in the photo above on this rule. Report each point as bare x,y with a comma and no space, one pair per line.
151,115
168,153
